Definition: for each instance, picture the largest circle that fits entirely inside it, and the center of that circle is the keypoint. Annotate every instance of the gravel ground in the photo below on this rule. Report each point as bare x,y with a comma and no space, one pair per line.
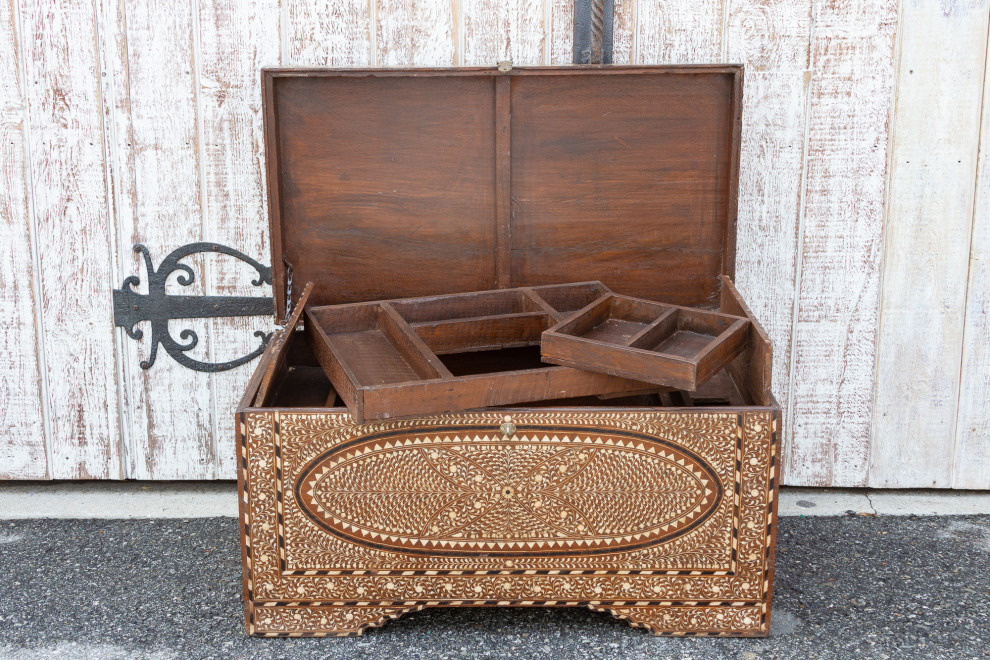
850,587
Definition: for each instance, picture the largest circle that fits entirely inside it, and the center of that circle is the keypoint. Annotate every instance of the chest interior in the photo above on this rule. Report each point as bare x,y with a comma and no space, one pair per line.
388,184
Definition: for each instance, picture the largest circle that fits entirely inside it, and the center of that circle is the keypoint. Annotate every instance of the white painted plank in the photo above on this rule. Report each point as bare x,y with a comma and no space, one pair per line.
496,31
769,35
560,31
328,33
971,455
416,33
111,47
624,32
235,42
768,224
832,369
773,39
680,31
157,188
927,238
22,424
74,230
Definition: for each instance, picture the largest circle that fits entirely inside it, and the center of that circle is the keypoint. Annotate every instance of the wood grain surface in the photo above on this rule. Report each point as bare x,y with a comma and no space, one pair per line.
23,451
971,460
125,121
496,31
234,43
929,220
774,113
560,31
416,33
327,33
773,37
463,210
624,39
838,282
680,31
74,236
159,189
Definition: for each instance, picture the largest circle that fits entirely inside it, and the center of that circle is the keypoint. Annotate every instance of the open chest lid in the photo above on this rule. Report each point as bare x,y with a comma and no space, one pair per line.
410,182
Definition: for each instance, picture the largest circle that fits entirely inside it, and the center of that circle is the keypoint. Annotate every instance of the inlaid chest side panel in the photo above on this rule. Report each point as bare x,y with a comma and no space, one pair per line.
663,518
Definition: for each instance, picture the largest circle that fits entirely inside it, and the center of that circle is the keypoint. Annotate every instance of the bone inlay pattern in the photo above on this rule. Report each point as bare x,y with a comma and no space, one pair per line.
655,516
482,494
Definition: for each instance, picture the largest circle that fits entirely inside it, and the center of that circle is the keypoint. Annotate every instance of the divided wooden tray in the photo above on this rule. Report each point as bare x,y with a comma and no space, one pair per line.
680,347
406,357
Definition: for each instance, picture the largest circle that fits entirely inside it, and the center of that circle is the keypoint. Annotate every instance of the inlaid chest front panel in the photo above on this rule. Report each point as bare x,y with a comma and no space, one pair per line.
624,511
484,496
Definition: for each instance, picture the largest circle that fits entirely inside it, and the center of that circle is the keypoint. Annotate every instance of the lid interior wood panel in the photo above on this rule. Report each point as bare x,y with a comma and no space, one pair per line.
398,183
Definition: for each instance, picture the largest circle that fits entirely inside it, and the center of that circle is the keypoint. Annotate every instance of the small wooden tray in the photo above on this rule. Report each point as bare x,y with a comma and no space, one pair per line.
419,356
680,347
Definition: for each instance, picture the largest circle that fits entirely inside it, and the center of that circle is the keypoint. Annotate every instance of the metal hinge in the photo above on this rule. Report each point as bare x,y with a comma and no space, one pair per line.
288,286
159,307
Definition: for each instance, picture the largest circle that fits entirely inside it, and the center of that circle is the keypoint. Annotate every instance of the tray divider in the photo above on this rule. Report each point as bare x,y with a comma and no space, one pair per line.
404,338
344,380
544,305
665,324
728,343
587,317
737,326
474,319
448,336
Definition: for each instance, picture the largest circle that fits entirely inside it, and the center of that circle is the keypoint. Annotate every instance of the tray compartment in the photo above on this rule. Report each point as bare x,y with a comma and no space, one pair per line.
371,345
616,320
565,299
384,357
667,345
685,333
484,333
513,358
481,321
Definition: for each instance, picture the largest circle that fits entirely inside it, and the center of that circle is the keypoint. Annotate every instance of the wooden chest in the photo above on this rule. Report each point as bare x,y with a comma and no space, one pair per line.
656,506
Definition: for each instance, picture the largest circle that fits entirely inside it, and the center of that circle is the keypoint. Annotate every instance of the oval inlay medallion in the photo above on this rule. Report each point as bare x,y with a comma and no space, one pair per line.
453,492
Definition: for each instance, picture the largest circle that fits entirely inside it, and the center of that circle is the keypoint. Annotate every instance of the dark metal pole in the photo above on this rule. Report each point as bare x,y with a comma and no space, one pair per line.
593,31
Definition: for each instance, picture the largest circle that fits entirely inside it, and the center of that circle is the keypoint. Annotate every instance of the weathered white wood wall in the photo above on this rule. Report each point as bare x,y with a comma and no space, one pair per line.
864,223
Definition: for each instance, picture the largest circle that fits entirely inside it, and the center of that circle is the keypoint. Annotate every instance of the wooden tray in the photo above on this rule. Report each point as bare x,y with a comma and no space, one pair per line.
668,345
407,357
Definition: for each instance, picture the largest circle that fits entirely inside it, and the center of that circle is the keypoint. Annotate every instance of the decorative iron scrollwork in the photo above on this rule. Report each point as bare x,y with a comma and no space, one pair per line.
158,307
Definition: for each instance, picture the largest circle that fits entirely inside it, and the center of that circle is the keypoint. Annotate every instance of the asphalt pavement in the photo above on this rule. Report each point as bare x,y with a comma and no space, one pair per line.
856,586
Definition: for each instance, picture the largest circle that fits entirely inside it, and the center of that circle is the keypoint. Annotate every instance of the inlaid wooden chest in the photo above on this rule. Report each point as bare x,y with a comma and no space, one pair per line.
654,504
